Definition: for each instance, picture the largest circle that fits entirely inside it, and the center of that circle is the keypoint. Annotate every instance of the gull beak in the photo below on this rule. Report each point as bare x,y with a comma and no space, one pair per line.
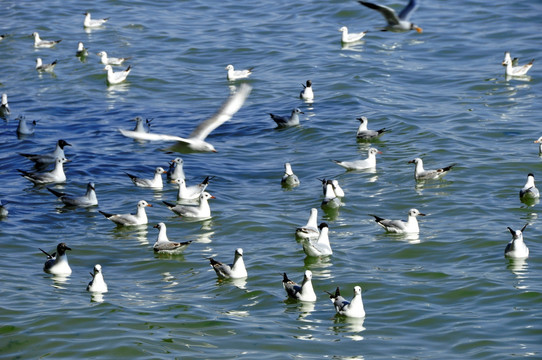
503,63
215,151
420,214
419,30
536,141
150,205
380,152
212,197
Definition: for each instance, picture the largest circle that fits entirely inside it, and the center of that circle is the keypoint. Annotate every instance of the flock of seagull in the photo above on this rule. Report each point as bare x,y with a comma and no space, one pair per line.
193,201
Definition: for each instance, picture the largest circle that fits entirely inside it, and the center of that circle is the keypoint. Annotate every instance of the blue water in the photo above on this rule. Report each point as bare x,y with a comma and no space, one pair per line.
448,293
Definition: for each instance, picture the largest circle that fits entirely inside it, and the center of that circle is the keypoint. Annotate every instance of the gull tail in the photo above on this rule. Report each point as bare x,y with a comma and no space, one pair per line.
56,193
377,218
107,215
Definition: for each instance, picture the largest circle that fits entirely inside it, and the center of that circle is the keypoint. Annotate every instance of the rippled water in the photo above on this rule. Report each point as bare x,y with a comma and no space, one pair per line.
448,293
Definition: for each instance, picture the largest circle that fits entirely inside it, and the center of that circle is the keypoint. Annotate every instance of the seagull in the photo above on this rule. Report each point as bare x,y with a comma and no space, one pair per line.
90,23
191,192
368,163
350,37
48,158
512,70
396,23
289,179
203,210
305,292
320,247
163,245
330,201
399,226
339,192
236,270
421,174
140,218
54,176
310,231
516,248
285,121
3,211
365,134
2,37
529,191
111,60
175,170
89,199
155,182
307,94
40,66
353,308
114,78
196,140
57,263
23,128
138,129
237,74
81,50
97,284
4,107
39,43
539,141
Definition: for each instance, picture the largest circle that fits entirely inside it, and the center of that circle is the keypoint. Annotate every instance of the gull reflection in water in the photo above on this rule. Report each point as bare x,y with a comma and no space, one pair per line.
518,267
348,324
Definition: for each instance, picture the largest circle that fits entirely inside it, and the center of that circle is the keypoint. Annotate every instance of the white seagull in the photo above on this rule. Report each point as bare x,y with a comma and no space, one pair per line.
175,170
236,270
3,211
54,176
529,190
57,262
353,308
196,140
399,226
106,60
368,163
237,74
40,66
366,134
516,248
81,50
163,245
307,94
512,70
93,23
138,129
337,189
305,292
421,174
200,211
89,199
396,23
48,158
310,231
289,179
320,247
156,182
191,192
330,201
97,284
23,128
4,107
140,217
114,78
39,43
350,37
285,121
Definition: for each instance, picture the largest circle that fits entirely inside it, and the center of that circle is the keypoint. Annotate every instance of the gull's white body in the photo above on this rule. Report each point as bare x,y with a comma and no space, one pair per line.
320,247
89,199
285,121
191,192
97,284
23,128
156,182
164,245
200,211
176,170
81,51
353,308
516,248
307,94
529,190
56,175
114,78
57,263
40,66
139,218
365,134
421,174
368,163
39,43
5,111
237,74
330,201
93,23
399,226
237,270
515,70
310,231
350,37
305,292
106,60
289,178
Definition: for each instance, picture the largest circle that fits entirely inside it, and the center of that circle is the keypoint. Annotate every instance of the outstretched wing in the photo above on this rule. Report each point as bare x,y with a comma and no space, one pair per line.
388,13
408,10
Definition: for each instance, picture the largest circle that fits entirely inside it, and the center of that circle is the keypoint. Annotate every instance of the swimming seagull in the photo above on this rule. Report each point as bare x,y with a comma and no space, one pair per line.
350,37
516,248
529,191
39,43
97,284
40,66
202,210
321,246
289,179
366,134
191,192
515,70
57,262
337,189
236,270
285,121
23,128
138,129
54,176
396,23
237,74
368,163
163,245
307,94
330,201
310,231
140,217
111,60
4,107
81,50
399,226
93,23
196,140
89,199
48,158
175,170
3,211
305,292
156,182
353,308
114,78
539,141
421,174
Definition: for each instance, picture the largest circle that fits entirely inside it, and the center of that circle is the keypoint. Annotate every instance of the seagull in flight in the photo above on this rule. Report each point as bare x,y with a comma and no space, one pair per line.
396,23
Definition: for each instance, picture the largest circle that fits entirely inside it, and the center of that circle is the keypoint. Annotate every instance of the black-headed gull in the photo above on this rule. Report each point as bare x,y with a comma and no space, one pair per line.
89,199
191,192
39,43
139,218
289,179
176,170
286,121
396,23
164,245
106,60
512,70
353,308
366,134
57,262
516,248
307,94
4,107
237,74
339,192
40,66
93,23
54,176
350,37
330,201
48,158
421,174
114,78
23,129
156,182
303,292
310,231
529,190
321,246
368,163
97,284
196,140
400,226
236,270
200,211
81,50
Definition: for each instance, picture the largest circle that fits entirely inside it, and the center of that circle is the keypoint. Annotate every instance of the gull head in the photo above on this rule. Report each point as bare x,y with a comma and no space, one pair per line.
229,67
343,29
142,204
415,212
108,68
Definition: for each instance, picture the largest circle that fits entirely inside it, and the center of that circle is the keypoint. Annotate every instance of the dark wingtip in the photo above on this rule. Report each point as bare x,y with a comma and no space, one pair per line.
168,203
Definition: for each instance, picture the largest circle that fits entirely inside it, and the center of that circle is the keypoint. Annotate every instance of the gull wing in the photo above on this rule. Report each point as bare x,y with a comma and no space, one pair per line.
150,136
408,10
388,13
